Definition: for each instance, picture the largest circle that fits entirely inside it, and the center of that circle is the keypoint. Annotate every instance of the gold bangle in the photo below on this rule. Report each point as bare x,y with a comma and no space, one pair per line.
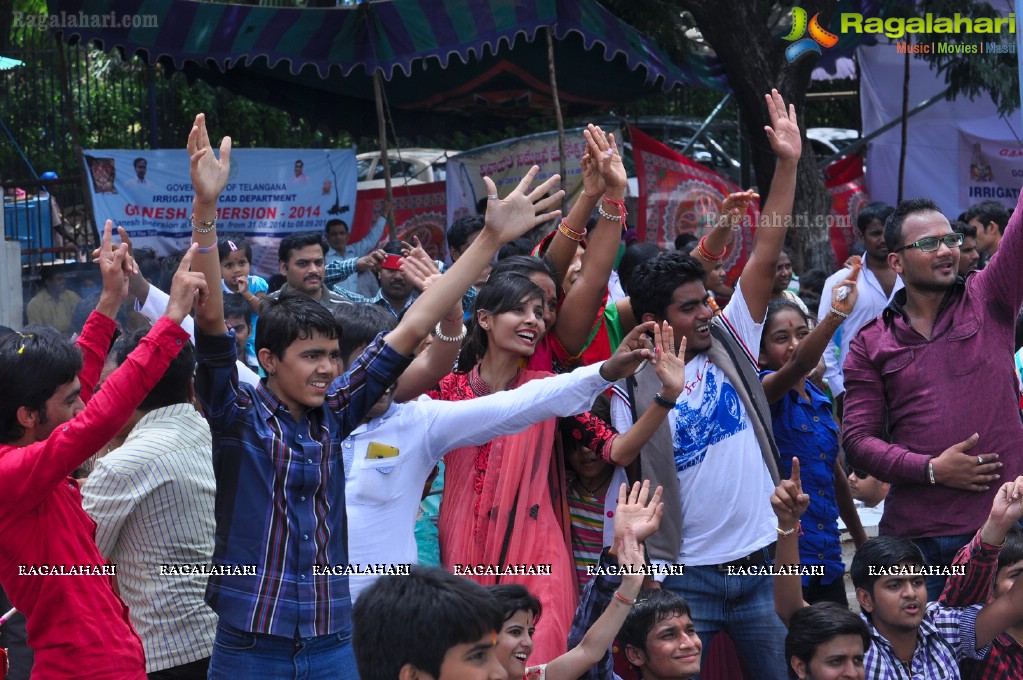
789,532
203,226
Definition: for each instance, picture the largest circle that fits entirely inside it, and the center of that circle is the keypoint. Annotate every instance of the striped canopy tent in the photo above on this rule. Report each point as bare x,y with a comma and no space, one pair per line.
483,61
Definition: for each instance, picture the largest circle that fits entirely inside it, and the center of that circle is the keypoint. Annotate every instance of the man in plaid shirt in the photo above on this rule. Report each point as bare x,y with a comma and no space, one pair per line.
995,559
911,639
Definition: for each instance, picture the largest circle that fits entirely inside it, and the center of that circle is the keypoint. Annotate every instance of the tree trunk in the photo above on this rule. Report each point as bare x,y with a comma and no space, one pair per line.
755,62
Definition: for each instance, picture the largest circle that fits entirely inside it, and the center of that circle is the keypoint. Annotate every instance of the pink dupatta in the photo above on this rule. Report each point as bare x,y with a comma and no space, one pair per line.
504,507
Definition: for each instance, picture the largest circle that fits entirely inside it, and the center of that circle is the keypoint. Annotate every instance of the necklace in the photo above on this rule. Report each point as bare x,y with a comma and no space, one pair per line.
594,492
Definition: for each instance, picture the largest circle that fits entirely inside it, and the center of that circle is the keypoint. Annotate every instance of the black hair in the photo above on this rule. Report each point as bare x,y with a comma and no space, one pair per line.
47,273
893,225
776,306
526,265
416,619
293,316
80,314
522,246
227,245
684,242
299,241
652,607
149,264
173,387
331,223
813,281
461,229
393,248
235,306
275,283
570,429
1012,548
882,552
967,230
633,256
878,210
360,324
512,598
813,626
140,158
653,283
989,211
33,365
499,294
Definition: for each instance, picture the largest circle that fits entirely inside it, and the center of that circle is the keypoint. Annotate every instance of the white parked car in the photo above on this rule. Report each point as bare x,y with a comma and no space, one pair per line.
408,166
826,142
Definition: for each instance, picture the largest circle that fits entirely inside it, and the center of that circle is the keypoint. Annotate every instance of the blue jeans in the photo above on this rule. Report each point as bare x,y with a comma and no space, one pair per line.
238,654
939,551
742,606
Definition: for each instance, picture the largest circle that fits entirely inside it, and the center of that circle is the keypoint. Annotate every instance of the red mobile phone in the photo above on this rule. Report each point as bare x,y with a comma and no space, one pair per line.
391,262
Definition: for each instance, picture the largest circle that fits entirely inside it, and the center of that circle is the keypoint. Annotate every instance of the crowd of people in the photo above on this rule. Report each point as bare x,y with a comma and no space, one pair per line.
553,458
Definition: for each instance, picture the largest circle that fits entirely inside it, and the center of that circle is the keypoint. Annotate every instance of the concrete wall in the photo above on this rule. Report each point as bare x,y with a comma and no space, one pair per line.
10,282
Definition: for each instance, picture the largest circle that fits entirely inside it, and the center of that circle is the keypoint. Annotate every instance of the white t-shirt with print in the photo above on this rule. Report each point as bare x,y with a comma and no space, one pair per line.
724,486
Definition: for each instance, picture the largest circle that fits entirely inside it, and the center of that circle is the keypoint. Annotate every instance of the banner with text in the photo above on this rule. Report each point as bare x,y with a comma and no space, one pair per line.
678,195
507,163
989,169
271,193
419,210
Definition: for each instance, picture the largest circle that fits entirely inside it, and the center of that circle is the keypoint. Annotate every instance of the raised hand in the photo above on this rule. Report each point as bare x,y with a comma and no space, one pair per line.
603,150
783,132
788,500
669,363
593,183
113,265
635,512
519,211
634,349
188,288
844,295
370,260
418,267
735,205
209,173
1006,510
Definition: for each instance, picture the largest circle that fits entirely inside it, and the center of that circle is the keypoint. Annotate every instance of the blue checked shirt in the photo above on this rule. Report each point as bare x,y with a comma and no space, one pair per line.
946,635
337,272
280,492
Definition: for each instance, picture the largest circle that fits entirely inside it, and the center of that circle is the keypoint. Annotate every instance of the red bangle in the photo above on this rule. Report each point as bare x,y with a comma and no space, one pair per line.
624,600
706,254
621,209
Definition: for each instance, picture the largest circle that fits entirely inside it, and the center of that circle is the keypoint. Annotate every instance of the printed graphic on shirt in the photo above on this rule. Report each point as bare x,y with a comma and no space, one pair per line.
719,415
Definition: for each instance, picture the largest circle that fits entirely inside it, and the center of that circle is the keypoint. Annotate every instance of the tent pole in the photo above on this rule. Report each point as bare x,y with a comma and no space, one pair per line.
905,126
557,111
378,95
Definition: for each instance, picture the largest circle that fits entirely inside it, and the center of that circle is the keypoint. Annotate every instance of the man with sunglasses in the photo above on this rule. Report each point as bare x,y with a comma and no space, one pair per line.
932,401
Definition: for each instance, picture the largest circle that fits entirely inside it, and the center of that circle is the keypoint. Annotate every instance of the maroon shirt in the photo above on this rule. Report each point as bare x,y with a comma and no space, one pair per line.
77,626
937,392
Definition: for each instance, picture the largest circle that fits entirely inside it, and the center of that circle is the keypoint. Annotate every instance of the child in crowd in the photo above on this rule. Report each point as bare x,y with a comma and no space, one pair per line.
235,261
522,609
237,314
803,427
589,503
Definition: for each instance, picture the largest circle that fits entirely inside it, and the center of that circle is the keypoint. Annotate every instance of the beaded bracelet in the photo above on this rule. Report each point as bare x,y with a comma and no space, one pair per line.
209,226
844,315
622,212
569,233
608,216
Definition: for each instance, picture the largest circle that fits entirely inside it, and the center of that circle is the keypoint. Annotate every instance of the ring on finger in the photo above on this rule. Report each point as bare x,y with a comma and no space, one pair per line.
491,197
609,152
980,460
